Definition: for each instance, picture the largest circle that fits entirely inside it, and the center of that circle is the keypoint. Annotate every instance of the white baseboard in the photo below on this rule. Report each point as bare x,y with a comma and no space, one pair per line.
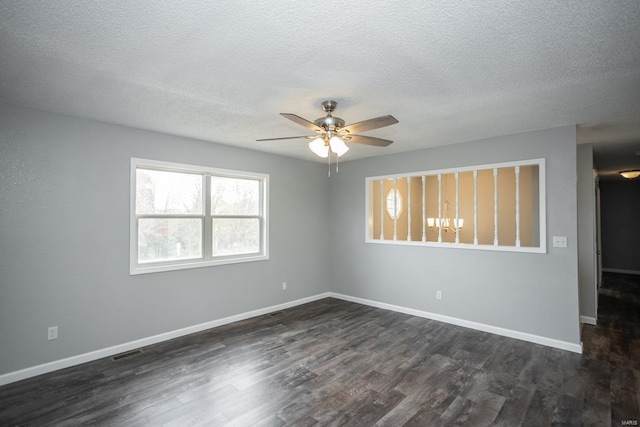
618,270
121,348
588,320
550,342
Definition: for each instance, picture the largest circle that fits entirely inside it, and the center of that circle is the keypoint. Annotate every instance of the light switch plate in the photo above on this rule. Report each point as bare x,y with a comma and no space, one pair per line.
559,241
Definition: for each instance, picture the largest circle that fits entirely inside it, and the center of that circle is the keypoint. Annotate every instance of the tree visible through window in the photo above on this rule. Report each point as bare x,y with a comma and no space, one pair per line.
235,211
169,209
186,216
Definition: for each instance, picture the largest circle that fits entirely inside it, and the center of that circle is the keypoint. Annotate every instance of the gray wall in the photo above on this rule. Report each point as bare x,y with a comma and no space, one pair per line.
586,231
64,239
532,293
619,205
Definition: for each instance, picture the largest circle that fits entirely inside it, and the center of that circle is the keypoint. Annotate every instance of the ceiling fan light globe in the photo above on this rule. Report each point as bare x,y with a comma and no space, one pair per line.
319,148
338,146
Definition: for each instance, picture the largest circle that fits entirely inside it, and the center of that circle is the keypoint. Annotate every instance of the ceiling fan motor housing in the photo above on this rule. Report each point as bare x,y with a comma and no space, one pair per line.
329,122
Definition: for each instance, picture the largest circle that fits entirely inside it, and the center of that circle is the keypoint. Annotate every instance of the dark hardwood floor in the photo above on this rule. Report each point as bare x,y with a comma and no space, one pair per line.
333,362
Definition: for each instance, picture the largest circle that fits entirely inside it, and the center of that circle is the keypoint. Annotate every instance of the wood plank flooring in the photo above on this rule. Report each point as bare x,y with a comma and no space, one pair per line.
333,362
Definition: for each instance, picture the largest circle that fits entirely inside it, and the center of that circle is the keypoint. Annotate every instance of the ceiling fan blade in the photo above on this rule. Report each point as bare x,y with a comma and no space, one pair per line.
288,137
370,124
367,140
299,120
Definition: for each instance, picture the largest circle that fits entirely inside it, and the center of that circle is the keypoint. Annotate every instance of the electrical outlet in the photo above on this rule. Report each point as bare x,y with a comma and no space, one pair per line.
559,241
438,295
284,286
52,333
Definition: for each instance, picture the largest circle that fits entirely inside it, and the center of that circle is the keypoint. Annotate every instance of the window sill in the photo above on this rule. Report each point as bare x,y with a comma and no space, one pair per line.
526,249
185,265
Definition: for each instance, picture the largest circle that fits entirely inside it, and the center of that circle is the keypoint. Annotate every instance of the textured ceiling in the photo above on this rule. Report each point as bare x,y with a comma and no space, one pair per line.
222,71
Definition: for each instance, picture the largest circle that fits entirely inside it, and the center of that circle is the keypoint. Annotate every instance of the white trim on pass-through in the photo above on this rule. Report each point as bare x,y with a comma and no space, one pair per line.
371,211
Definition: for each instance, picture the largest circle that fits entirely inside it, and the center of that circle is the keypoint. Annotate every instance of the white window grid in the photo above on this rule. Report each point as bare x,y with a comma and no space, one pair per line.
207,259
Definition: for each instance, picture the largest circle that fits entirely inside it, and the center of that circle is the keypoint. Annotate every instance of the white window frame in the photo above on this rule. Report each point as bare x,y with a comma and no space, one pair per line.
206,260
542,248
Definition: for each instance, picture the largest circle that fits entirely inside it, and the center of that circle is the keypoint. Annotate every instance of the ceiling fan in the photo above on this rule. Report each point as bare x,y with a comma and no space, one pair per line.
332,134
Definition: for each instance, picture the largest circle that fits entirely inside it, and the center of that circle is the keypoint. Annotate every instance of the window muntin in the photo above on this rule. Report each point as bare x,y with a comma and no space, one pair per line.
185,216
496,207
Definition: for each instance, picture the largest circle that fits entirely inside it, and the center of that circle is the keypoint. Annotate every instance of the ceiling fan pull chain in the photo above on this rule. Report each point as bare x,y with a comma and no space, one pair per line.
329,164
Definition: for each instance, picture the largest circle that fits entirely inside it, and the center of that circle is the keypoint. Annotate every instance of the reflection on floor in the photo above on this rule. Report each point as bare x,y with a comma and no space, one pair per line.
616,341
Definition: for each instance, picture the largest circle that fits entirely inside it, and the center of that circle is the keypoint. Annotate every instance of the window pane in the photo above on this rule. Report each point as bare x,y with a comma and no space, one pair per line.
162,192
235,196
235,236
162,239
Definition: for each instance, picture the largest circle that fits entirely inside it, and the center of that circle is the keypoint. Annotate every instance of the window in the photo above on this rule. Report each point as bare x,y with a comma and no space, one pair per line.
394,203
495,207
186,216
